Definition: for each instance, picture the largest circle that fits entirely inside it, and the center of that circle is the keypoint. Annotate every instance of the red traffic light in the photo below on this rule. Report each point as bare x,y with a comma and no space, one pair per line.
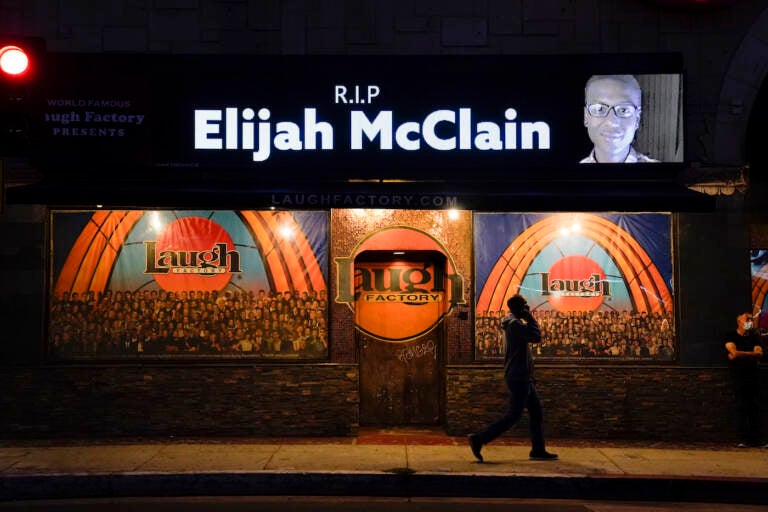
13,60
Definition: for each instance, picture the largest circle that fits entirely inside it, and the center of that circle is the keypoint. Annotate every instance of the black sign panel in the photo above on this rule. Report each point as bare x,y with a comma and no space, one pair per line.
95,110
274,118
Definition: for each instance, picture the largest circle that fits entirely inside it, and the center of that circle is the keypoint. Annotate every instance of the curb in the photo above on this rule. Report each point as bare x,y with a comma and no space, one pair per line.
111,485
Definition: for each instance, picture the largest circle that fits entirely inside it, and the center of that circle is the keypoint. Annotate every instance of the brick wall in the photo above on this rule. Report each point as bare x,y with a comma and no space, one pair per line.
646,402
103,401
599,402
590,402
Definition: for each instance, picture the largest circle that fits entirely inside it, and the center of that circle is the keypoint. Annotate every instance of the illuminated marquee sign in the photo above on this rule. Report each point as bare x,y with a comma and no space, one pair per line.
231,128
342,117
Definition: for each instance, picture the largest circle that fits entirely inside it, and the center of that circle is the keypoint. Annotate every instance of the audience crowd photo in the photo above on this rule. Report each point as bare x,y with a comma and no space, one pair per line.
207,323
586,334
294,325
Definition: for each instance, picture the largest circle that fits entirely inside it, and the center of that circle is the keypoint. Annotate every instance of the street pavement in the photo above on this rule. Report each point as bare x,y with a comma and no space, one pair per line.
358,504
380,463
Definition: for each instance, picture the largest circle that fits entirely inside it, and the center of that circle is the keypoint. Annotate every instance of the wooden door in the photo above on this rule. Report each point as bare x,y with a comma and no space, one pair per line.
400,380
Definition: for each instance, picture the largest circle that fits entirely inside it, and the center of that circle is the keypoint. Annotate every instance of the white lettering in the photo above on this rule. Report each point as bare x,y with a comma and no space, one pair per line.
381,126
488,136
402,138
339,94
465,130
230,132
287,136
248,134
264,137
510,129
205,127
373,91
430,124
541,129
312,128
443,130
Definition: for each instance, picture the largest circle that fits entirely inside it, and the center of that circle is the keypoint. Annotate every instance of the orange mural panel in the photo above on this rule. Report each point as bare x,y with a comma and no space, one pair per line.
597,283
175,283
92,257
636,266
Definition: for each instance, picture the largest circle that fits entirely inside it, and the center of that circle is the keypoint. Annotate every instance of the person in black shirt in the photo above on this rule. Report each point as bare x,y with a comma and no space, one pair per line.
520,329
744,352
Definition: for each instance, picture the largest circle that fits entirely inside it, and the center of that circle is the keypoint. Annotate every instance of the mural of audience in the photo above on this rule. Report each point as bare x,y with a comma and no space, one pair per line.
294,325
156,322
586,334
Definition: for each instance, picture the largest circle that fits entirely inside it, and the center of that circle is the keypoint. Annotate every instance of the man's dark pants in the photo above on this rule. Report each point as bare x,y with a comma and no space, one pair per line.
747,389
522,395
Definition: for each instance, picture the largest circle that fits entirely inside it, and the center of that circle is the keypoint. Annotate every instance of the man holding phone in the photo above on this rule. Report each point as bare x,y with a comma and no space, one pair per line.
520,330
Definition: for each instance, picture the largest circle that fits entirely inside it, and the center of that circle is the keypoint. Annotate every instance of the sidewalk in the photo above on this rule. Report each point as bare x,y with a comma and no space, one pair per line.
381,463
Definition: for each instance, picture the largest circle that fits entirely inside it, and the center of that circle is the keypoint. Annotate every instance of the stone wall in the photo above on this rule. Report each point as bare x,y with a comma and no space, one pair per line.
181,401
589,402
603,402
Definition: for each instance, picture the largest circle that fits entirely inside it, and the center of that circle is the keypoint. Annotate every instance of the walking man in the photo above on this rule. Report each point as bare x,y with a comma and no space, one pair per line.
520,329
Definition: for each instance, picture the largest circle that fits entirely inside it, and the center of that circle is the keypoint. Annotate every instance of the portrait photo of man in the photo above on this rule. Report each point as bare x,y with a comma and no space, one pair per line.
612,112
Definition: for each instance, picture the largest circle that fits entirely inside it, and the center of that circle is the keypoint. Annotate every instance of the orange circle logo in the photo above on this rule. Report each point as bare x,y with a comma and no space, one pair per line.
574,283
193,253
398,300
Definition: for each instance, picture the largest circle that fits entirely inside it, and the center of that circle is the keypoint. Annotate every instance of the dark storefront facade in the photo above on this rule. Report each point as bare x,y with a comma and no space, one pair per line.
306,245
